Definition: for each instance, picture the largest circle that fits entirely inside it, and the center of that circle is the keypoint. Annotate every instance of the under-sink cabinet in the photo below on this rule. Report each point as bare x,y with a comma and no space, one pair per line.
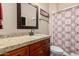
40,48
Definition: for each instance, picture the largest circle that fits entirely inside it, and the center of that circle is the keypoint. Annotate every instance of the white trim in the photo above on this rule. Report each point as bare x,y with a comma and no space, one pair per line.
64,9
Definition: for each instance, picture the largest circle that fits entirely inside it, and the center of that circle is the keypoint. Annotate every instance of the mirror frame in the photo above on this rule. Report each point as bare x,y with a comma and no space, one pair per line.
19,26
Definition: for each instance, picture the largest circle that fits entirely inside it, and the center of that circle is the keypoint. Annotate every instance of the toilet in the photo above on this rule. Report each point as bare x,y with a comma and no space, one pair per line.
56,51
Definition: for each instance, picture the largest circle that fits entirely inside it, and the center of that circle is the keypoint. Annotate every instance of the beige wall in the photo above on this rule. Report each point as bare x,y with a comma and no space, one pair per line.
58,6
44,26
10,20
44,6
66,5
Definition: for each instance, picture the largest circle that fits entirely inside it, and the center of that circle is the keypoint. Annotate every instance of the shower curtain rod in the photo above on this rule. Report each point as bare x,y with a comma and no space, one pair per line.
65,9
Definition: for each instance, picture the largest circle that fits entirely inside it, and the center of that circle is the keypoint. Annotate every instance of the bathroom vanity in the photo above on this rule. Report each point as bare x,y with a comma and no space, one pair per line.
37,45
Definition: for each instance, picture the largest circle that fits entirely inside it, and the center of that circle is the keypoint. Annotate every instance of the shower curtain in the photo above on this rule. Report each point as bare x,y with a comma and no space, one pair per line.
66,29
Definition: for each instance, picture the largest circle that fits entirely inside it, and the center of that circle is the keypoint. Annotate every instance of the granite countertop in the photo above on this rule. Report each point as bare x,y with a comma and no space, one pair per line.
9,44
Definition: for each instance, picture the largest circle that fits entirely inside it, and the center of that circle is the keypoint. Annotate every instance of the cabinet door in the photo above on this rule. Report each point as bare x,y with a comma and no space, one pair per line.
46,50
46,47
38,52
35,46
24,51
36,49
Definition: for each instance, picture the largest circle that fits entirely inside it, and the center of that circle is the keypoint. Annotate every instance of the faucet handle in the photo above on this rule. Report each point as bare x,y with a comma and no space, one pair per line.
31,33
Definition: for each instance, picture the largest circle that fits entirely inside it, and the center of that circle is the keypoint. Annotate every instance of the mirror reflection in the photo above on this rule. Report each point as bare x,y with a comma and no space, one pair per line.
28,14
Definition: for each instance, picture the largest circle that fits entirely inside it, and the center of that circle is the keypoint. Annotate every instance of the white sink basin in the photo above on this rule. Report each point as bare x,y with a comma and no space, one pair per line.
37,36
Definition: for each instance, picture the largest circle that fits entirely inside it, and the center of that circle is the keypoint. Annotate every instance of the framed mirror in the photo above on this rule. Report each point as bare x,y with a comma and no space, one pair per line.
27,16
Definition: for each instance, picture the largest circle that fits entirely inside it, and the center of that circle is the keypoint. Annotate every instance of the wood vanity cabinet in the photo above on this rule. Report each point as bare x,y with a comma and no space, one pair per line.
41,48
24,51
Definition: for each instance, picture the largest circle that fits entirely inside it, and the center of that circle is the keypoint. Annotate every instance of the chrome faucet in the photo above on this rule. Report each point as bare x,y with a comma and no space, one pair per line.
31,33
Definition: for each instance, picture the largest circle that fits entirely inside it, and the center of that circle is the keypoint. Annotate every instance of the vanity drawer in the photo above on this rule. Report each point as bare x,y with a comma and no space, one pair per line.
24,51
35,46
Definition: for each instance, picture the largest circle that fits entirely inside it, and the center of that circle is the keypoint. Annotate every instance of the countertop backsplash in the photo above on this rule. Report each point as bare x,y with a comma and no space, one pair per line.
12,35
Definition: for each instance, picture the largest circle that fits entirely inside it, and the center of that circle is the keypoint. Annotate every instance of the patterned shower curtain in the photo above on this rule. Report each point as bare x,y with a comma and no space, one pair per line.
66,29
